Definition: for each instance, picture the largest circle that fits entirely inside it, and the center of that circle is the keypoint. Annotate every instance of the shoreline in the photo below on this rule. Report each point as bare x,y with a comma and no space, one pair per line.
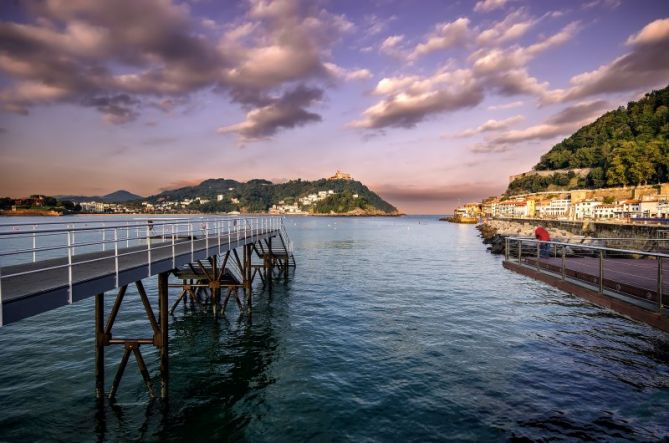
38,213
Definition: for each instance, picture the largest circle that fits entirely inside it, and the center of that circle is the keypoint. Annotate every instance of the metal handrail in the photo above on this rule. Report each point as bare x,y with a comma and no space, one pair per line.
660,258
598,248
153,223
212,228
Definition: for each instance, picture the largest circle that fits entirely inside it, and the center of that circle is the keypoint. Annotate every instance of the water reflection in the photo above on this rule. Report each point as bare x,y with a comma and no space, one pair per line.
214,365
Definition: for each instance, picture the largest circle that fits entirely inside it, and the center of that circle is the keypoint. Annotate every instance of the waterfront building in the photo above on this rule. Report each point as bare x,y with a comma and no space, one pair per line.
663,209
558,208
648,208
219,197
607,211
585,209
523,208
631,208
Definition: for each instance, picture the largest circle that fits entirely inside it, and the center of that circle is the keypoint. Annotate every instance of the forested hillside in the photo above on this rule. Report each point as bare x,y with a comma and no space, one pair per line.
259,195
627,146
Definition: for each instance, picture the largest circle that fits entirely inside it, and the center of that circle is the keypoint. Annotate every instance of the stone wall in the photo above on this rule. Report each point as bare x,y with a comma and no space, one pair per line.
599,228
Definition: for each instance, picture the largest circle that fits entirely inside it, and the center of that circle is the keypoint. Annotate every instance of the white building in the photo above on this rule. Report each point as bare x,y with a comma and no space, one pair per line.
585,209
557,208
649,208
219,197
631,208
663,209
607,211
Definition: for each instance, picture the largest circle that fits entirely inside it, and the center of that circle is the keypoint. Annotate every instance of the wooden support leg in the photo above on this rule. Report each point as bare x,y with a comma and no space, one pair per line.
270,261
164,348
100,346
119,372
176,303
248,279
215,285
143,370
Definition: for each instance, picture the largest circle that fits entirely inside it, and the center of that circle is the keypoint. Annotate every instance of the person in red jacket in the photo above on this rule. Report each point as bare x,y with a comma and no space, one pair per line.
542,235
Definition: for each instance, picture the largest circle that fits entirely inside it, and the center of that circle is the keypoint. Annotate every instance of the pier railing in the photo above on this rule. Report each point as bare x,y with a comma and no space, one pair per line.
28,249
631,275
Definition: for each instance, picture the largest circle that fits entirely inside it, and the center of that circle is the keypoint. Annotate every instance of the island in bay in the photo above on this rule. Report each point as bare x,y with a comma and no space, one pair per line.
339,194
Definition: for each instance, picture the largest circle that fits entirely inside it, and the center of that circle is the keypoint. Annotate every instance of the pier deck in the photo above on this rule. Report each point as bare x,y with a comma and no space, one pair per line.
31,288
630,282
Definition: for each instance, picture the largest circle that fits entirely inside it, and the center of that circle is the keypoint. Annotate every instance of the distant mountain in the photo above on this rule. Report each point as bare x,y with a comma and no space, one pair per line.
121,196
626,146
349,196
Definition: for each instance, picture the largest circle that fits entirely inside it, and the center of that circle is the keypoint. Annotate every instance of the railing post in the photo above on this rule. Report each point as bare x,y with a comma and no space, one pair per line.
34,244
116,253
218,234
70,236
173,250
192,243
506,248
104,237
73,240
148,249
564,274
127,235
205,227
601,271
539,245
660,284
520,251
1,298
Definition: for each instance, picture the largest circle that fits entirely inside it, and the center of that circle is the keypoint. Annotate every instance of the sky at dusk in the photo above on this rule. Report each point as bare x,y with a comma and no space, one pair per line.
429,103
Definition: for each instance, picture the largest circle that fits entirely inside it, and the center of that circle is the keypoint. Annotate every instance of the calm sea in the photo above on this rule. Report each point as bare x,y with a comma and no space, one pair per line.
390,329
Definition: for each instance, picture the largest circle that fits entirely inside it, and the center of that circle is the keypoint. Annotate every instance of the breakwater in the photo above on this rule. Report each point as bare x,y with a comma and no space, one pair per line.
494,232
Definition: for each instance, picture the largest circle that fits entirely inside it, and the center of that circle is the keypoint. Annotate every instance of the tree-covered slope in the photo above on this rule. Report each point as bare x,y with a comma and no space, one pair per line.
627,146
260,195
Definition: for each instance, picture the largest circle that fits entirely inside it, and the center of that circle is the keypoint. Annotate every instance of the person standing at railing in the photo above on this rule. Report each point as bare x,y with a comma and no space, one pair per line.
542,235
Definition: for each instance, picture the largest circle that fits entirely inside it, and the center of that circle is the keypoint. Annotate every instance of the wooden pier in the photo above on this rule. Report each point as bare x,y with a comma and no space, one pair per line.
628,281
201,253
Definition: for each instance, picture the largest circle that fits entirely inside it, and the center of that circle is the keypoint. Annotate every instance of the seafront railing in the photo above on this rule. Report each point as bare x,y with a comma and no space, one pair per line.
631,275
645,244
32,249
32,242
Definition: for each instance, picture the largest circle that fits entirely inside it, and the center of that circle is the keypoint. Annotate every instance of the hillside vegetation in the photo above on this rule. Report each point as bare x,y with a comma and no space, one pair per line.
259,195
627,146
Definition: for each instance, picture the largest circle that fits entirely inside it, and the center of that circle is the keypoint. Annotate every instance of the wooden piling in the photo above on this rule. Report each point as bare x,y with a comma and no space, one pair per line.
163,308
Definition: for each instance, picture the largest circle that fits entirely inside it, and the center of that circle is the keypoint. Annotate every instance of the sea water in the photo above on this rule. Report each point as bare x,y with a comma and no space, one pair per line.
389,329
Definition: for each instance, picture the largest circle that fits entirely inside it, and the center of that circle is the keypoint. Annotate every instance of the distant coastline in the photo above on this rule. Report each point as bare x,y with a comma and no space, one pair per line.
38,213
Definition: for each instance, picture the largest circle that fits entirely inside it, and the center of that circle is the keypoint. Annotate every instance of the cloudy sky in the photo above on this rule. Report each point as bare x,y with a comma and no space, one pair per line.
430,103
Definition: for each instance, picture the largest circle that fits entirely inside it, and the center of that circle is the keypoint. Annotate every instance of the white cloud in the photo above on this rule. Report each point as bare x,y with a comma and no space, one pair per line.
561,124
512,27
510,105
444,36
348,74
489,5
645,66
489,126
654,32
390,43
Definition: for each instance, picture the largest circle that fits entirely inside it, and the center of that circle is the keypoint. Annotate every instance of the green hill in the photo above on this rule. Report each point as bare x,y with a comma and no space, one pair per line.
259,196
627,146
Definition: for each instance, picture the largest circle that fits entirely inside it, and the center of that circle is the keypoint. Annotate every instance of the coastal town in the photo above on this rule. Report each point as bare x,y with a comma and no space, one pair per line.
46,205
623,204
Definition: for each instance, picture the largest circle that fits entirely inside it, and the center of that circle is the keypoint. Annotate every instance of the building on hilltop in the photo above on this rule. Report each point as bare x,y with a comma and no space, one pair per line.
339,175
